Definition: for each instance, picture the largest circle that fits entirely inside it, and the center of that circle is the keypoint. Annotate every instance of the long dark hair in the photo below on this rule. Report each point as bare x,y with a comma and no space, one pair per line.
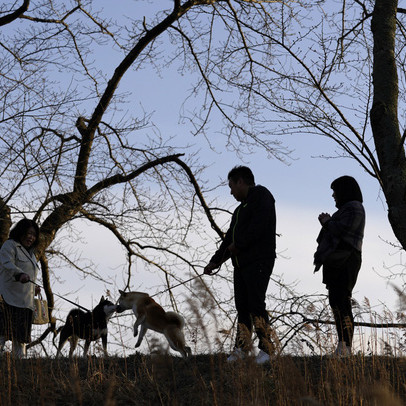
21,228
346,189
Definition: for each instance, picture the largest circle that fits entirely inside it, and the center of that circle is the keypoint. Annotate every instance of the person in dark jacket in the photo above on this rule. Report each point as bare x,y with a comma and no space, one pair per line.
250,243
339,252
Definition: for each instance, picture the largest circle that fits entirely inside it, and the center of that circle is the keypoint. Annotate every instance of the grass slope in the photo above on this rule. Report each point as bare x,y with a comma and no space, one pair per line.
202,380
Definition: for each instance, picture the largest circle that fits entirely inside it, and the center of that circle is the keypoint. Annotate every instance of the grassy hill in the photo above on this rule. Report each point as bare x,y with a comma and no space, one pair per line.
202,380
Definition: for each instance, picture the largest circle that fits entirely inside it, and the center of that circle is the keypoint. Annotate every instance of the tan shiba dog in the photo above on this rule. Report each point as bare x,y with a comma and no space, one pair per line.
150,315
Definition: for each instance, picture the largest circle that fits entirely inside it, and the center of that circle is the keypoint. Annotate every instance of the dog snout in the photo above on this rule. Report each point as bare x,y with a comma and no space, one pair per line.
119,309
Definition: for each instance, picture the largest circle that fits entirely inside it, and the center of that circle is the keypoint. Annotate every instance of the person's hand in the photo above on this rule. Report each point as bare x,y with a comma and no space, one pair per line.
37,290
24,278
323,218
208,269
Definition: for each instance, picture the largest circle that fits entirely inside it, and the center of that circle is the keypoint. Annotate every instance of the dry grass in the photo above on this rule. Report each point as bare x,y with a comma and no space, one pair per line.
202,380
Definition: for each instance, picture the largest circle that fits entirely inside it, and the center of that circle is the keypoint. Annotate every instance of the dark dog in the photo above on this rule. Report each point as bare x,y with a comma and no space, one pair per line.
89,326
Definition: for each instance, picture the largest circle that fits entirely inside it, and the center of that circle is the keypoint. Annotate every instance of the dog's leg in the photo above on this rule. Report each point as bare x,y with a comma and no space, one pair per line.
64,335
176,346
141,336
86,348
176,340
73,344
140,320
104,343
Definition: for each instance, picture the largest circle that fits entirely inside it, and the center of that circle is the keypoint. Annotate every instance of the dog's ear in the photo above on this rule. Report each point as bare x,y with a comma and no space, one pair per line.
102,299
121,292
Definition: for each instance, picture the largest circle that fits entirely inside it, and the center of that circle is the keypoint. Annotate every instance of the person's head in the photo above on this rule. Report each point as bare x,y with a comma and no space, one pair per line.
240,179
26,232
346,189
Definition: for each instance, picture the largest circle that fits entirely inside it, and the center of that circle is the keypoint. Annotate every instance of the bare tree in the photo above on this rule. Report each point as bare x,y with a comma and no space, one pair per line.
260,68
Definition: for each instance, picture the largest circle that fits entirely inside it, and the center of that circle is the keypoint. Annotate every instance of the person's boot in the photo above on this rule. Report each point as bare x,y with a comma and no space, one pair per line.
236,355
342,350
262,358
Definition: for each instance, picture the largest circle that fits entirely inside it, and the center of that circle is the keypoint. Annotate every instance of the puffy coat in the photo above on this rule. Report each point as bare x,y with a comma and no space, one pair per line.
252,230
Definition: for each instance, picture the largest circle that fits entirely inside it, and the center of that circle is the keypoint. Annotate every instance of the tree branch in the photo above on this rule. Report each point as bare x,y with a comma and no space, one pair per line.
16,14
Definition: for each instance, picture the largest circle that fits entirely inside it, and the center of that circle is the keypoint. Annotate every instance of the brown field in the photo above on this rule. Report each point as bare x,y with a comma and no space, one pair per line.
203,380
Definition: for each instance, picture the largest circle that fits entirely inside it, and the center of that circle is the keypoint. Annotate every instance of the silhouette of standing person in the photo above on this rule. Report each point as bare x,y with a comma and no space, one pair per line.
339,253
250,243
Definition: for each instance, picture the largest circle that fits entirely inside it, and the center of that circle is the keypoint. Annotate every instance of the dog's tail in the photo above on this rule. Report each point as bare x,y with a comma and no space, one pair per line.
176,319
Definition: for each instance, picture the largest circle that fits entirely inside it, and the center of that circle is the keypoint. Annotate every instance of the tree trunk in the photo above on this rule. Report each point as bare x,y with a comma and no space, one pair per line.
384,117
5,221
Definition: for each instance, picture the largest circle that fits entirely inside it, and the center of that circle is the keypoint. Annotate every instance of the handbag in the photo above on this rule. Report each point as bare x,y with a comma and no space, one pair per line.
40,311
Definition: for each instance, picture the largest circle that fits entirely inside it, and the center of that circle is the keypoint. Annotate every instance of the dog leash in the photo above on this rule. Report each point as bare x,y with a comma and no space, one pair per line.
158,293
55,294
223,259
175,286
186,281
64,298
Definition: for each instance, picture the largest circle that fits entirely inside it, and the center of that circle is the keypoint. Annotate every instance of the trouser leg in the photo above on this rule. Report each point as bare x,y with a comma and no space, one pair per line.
340,302
244,326
258,310
340,281
251,284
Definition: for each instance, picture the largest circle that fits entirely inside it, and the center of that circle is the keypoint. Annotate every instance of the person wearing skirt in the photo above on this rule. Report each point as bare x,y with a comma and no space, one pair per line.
18,266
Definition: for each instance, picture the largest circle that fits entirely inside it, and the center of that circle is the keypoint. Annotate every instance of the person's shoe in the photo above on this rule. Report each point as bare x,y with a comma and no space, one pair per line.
262,358
342,350
236,355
